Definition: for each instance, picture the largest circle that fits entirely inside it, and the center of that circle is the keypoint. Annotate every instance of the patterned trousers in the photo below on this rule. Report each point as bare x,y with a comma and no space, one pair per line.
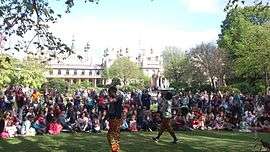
113,134
166,126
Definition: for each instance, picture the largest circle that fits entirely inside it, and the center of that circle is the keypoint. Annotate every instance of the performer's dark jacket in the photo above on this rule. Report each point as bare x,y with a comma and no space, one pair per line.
115,108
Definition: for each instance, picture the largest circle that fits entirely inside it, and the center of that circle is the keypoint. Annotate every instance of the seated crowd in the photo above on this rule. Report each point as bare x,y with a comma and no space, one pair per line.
26,112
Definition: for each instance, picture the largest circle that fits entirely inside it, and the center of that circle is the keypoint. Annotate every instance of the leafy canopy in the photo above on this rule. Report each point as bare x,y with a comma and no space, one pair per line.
28,72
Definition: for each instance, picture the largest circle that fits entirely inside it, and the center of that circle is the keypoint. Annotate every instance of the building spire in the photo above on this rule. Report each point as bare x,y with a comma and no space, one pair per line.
73,43
87,47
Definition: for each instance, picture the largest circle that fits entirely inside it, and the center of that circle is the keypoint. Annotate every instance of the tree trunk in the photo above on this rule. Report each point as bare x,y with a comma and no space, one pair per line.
212,82
266,81
125,81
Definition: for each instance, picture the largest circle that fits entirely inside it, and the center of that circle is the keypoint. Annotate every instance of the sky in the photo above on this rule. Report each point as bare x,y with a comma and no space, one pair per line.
140,23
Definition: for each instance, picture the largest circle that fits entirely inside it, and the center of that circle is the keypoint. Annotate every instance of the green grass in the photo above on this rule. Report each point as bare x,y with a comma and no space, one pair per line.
135,142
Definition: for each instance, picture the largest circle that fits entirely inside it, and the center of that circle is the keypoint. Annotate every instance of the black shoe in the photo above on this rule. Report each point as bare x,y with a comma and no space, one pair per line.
155,139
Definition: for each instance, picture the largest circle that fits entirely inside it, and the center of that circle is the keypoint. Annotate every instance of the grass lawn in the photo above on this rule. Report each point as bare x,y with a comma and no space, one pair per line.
135,142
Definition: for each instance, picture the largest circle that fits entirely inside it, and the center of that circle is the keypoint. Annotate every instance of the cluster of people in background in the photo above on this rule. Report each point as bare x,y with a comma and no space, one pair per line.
27,112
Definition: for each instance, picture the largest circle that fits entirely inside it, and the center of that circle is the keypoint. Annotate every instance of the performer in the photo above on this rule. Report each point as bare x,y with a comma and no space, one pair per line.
115,118
166,115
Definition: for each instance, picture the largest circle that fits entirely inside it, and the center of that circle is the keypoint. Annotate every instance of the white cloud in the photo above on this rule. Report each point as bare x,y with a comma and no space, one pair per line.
203,6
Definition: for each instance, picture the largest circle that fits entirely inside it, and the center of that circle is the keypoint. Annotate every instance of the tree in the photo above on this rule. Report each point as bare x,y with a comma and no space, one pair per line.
59,85
125,70
33,17
233,4
175,65
245,36
7,65
28,72
116,81
80,85
179,70
210,60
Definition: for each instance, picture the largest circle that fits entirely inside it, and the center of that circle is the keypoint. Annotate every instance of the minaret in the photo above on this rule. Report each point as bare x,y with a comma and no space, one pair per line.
87,57
87,47
73,43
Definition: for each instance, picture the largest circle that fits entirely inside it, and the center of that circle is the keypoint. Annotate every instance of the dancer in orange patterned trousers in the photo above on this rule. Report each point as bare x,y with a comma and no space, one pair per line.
115,119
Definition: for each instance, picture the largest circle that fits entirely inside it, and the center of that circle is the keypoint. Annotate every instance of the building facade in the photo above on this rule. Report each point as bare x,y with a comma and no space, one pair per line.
80,67
149,60
76,73
77,68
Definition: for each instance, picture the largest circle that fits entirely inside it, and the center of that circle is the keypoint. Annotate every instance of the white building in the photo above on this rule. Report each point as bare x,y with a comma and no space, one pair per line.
77,68
149,60
74,73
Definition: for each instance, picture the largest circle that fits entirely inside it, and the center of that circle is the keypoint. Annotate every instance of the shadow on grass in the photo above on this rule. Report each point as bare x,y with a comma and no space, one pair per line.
132,142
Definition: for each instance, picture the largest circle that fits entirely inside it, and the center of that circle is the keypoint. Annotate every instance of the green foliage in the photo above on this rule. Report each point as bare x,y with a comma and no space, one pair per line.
28,72
229,89
179,70
59,85
19,18
174,64
7,65
250,88
106,74
245,36
211,61
141,83
116,81
80,85
128,88
125,70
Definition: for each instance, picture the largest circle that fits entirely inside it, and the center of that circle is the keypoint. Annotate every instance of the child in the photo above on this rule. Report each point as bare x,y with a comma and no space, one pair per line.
54,128
133,124
96,128
124,126
3,133
26,129
40,124
82,122
10,125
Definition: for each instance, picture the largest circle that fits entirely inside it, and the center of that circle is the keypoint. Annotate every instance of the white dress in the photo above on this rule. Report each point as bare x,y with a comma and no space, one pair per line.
27,129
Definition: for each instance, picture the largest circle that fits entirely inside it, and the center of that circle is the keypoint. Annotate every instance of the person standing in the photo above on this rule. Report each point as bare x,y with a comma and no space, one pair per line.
166,115
115,118
146,99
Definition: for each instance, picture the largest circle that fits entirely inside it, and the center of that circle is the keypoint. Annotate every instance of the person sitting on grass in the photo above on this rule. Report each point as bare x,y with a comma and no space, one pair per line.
54,128
244,127
63,122
27,129
219,122
210,120
96,128
3,123
133,124
147,121
10,126
82,122
124,126
40,124
71,118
